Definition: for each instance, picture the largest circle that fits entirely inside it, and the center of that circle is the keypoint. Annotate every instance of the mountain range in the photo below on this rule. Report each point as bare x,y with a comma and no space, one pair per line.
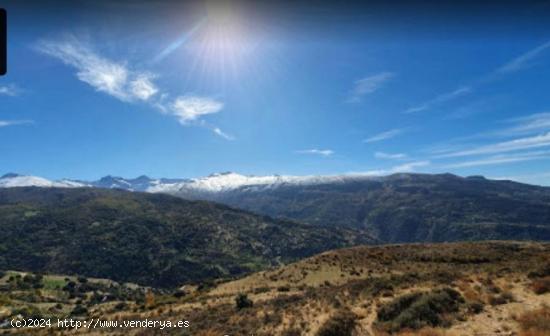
214,183
397,208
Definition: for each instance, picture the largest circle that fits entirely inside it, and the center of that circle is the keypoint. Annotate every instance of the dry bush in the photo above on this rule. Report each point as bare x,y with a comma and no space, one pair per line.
502,298
419,309
541,286
470,295
535,322
340,324
425,332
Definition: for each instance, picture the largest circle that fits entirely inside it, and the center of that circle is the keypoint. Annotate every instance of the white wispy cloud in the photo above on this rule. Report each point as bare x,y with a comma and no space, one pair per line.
222,134
501,159
119,80
368,85
410,166
442,98
190,108
536,141
523,60
520,126
321,152
385,135
403,168
142,87
5,123
396,156
9,90
518,63
527,124
103,74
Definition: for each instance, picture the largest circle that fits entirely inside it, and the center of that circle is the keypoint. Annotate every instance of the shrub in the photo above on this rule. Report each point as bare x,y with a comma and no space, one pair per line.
120,306
341,323
535,322
291,332
261,290
242,301
424,332
502,298
417,310
70,286
541,286
475,307
179,293
28,312
79,310
541,272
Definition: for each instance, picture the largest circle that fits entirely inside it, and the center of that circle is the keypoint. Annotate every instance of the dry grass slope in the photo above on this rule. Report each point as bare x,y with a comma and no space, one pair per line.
488,288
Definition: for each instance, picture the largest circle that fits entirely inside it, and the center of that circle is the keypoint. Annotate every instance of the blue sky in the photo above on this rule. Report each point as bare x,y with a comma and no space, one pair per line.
187,90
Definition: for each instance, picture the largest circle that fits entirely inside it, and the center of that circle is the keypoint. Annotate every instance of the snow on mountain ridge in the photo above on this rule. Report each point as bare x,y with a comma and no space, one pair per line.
213,183
14,180
230,181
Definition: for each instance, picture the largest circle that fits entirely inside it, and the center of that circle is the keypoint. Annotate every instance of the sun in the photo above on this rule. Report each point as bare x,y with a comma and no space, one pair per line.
225,39
224,43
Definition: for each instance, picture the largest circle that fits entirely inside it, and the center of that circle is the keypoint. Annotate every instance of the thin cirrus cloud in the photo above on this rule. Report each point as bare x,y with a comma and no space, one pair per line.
6,123
9,90
368,85
403,168
528,124
537,141
118,80
523,61
388,156
520,126
442,98
222,134
320,152
501,159
385,135
409,166
527,137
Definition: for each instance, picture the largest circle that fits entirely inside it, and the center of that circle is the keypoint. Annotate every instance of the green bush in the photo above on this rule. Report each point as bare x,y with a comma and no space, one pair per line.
340,324
417,310
475,307
242,301
79,310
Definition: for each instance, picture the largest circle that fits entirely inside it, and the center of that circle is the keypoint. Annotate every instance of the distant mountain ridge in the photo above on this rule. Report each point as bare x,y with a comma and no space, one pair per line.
214,183
11,180
409,207
403,207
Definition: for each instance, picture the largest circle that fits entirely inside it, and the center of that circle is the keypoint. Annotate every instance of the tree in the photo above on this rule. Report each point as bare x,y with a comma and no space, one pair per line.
242,301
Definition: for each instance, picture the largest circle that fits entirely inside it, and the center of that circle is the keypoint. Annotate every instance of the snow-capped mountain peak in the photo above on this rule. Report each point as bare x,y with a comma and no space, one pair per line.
214,183
15,180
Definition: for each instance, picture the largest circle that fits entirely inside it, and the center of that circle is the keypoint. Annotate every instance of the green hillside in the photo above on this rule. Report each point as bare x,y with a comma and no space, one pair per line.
149,239
409,207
